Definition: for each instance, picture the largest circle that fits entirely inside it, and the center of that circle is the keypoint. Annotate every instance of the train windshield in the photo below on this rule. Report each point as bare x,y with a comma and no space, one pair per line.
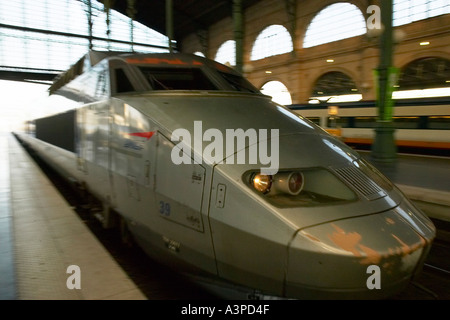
177,79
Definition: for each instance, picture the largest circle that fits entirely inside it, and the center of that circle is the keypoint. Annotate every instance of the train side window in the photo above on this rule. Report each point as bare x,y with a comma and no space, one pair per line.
57,130
406,122
338,122
364,122
123,84
350,122
439,122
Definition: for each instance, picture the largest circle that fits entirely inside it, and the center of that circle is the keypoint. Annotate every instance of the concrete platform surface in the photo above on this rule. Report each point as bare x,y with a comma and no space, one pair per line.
52,250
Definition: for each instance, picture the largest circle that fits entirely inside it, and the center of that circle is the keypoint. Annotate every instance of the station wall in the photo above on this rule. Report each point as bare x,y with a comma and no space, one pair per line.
298,70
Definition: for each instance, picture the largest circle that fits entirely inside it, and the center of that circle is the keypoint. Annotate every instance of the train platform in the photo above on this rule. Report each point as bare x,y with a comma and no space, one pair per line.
41,236
423,179
46,251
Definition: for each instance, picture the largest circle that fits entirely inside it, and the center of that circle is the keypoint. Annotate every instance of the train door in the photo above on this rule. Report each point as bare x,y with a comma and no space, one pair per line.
81,140
129,161
332,124
101,141
179,205
93,153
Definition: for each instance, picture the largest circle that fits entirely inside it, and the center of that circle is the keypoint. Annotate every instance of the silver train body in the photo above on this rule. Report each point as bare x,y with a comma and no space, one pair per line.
325,225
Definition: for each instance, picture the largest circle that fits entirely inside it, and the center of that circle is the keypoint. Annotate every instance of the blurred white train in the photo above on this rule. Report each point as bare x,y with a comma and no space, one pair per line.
422,125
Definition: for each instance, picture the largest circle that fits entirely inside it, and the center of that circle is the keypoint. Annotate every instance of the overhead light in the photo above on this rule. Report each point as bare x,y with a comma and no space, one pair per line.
330,60
268,72
424,43
447,81
354,89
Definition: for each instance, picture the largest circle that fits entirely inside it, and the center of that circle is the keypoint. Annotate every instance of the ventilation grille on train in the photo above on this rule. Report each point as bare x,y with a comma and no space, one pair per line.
356,178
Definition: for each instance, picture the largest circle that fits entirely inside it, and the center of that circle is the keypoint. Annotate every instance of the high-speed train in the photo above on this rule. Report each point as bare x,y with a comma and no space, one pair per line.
213,178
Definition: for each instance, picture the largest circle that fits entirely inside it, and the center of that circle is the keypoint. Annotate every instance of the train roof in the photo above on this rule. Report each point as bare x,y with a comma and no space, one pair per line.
85,62
166,59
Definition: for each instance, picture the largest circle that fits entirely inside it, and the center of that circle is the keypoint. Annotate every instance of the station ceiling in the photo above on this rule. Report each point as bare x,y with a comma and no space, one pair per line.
188,15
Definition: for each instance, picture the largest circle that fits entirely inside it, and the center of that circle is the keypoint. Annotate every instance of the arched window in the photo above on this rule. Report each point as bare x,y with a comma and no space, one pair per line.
227,53
407,11
273,40
336,22
278,91
334,86
426,77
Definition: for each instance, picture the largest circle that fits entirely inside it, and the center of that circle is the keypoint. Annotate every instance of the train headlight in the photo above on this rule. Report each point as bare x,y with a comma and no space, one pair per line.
314,186
289,182
262,182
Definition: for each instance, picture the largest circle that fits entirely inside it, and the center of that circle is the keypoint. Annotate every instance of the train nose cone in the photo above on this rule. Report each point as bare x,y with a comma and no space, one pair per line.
368,257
